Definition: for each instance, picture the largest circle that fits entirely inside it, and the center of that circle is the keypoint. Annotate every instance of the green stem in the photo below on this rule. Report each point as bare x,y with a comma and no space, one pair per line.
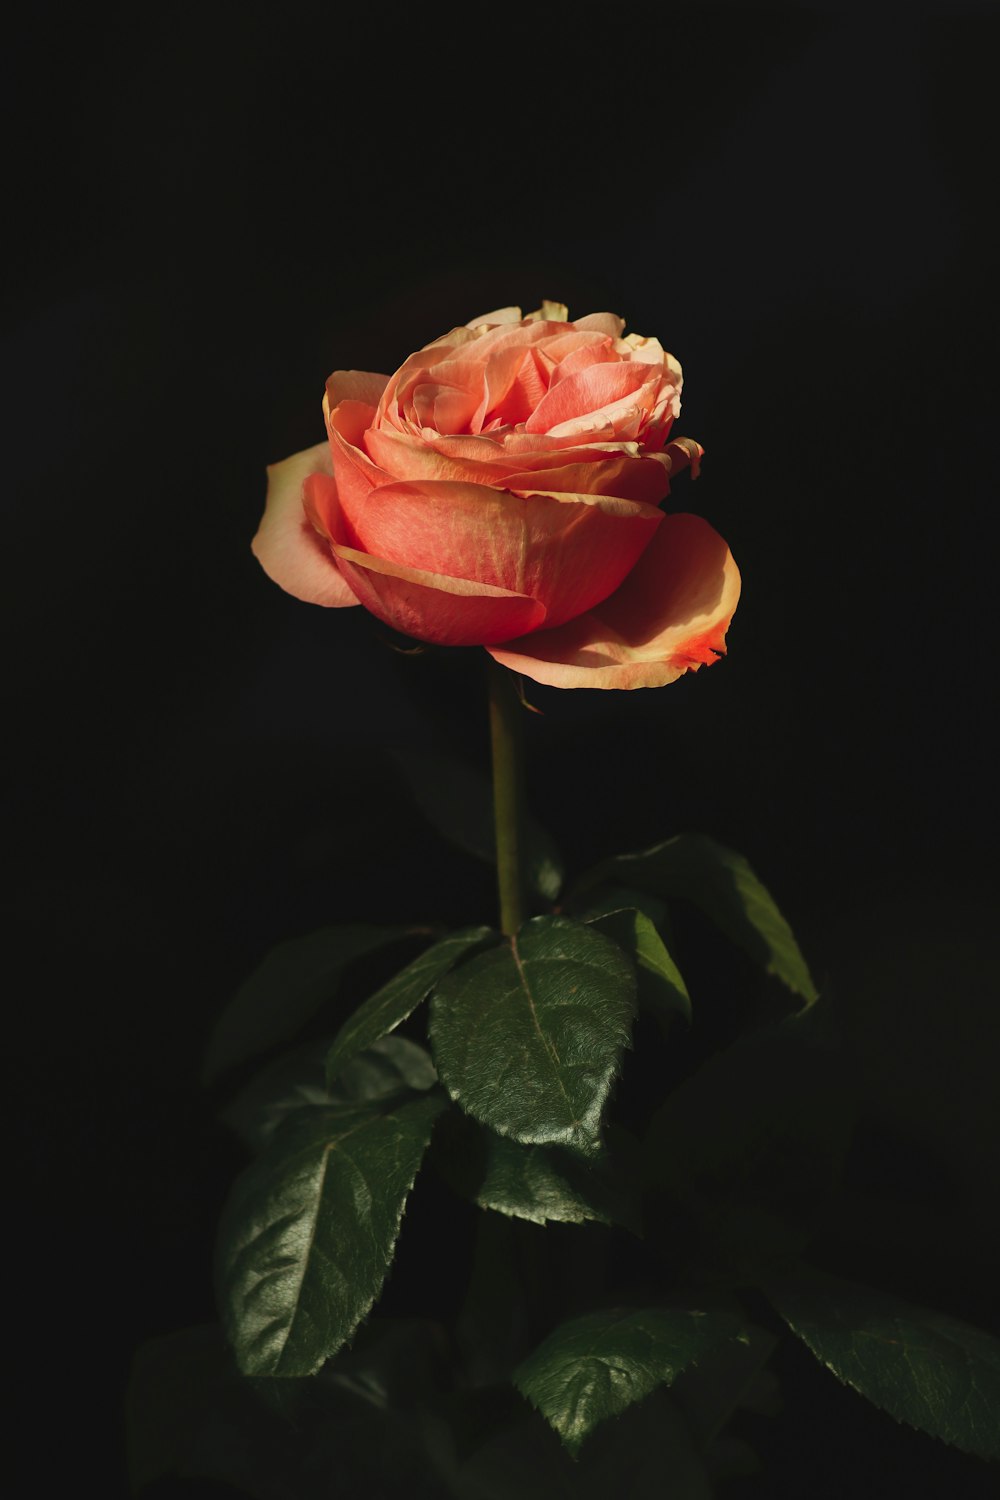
505,732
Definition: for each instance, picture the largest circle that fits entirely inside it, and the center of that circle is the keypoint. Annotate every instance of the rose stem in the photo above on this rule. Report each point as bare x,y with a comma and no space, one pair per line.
505,732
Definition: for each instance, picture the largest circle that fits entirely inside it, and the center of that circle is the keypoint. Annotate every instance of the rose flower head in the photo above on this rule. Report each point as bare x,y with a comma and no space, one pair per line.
503,489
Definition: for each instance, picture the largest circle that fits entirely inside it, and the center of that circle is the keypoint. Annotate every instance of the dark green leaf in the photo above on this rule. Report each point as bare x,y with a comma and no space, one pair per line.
538,1183
295,979
613,897
662,990
387,1066
595,1366
925,1369
292,1082
310,1229
458,802
751,1145
529,1036
298,1081
399,998
721,882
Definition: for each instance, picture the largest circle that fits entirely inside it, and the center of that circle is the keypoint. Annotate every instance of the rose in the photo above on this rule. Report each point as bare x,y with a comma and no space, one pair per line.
502,489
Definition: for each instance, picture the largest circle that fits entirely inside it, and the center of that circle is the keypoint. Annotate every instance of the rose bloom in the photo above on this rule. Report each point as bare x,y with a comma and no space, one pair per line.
502,489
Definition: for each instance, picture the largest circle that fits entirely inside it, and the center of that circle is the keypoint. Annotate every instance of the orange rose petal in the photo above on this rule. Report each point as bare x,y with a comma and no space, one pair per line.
587,392
669,616
287,545
402,456
525,449
588,470
445,407
501,315
355,472
355,385
569,551
549,312
513,387
603,322
600,352
432,607
643,479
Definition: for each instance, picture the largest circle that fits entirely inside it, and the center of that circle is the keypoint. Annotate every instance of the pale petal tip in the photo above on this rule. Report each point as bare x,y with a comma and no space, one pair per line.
549,312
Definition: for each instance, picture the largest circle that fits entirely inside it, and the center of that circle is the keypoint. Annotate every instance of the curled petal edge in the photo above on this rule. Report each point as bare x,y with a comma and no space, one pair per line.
433,607
670,616
287,546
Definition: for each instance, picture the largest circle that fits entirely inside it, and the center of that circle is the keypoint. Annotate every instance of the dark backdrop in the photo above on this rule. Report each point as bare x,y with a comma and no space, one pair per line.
215,206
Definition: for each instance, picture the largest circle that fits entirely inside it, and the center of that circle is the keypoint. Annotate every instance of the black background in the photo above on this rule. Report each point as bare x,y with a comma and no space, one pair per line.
212,209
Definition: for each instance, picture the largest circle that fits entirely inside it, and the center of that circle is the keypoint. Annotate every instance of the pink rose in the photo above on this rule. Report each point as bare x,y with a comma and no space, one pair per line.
502,489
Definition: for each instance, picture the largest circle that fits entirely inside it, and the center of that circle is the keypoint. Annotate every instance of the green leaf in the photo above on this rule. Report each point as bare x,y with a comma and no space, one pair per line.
529,1036
295,979
310,1229
595,1366
391,1064
751,1145
458,802
539,1183
662,990
723,885
298,1081
925,1369
591,901
399,998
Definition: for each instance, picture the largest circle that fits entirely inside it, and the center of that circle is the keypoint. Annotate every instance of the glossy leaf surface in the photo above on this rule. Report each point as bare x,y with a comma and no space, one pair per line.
310,1229
298,1081
539,1183
928,1370
382,1012
722,883
528,1036
596,1366
662,990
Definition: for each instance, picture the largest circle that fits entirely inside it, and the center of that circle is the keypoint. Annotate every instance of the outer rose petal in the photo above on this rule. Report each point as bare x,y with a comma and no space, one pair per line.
669,616
502,315
549,312
355,473
431,607
425,604
569,551
608,323
286,545
355,385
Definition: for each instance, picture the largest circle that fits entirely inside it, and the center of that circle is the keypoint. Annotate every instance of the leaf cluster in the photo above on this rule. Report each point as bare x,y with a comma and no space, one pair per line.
613,1348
